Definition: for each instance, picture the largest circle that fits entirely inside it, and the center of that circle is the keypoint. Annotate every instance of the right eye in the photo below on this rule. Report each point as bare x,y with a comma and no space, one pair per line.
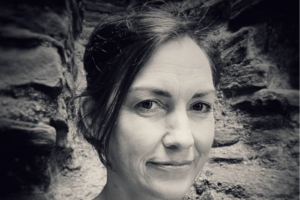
148,107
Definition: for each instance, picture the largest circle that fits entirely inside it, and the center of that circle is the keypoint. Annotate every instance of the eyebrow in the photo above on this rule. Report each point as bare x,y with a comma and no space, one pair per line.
164,93
204,93
156,91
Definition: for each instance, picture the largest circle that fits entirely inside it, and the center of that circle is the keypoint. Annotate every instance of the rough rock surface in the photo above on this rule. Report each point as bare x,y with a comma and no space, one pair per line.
44,62
225,137
36,76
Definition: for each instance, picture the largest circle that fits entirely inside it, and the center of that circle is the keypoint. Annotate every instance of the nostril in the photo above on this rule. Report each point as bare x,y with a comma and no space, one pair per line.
177,140
178,134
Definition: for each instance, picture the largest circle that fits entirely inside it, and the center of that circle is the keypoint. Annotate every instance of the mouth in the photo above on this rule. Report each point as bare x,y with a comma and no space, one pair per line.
172,164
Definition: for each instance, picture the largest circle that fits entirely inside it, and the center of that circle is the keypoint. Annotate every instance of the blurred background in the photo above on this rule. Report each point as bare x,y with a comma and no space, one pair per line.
255,154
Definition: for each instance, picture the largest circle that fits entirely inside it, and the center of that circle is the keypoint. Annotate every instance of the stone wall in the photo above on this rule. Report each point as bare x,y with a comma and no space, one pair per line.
37,82
255,154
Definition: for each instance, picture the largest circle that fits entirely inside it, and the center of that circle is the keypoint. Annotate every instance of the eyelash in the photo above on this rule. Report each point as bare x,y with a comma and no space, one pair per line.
207,109
145,110
139,107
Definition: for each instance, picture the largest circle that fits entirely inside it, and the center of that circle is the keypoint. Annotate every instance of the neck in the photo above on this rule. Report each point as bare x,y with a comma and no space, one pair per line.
115,188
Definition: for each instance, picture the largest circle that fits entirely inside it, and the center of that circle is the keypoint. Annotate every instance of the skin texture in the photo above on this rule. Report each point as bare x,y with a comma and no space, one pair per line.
165,128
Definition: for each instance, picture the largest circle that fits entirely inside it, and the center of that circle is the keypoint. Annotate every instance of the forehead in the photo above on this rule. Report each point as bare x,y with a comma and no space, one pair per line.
182,50
180,61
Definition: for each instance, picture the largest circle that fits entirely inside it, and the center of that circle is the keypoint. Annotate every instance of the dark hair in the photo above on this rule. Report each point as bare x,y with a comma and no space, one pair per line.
117,49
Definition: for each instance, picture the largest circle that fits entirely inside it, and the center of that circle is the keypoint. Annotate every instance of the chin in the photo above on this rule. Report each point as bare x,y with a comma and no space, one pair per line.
172,190
170,184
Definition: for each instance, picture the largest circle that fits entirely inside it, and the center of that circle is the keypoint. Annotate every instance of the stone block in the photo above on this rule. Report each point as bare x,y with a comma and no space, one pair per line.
280,158
24,173
39,66
202,186
26,149
235,54
232,158
271,153
295,152
250,181
27,104
225,138
26,138
236,153
208,196
271,99
207,189
261,119
14,37
228,40
249,77
37,19
273,136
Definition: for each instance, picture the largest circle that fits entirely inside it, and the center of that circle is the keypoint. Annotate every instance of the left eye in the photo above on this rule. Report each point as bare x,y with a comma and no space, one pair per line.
200,107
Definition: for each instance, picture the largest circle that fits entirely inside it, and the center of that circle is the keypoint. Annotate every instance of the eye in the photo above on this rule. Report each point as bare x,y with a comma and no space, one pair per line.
146,104
200,107
149,107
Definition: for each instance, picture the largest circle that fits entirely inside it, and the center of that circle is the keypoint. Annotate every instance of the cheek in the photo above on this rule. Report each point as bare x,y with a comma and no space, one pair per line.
135,138
204,135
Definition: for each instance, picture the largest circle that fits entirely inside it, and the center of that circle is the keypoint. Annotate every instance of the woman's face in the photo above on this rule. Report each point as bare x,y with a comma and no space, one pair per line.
165,128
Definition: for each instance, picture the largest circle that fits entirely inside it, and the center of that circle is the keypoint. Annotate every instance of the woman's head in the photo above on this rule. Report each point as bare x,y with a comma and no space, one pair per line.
150,89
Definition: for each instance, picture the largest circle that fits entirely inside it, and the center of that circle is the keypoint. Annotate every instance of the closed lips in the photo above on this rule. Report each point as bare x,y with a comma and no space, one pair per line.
184,164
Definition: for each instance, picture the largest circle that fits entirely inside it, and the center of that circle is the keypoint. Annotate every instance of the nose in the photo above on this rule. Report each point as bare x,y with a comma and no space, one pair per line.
179,133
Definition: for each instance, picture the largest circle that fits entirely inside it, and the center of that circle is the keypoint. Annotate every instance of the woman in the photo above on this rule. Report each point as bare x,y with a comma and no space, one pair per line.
149,101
